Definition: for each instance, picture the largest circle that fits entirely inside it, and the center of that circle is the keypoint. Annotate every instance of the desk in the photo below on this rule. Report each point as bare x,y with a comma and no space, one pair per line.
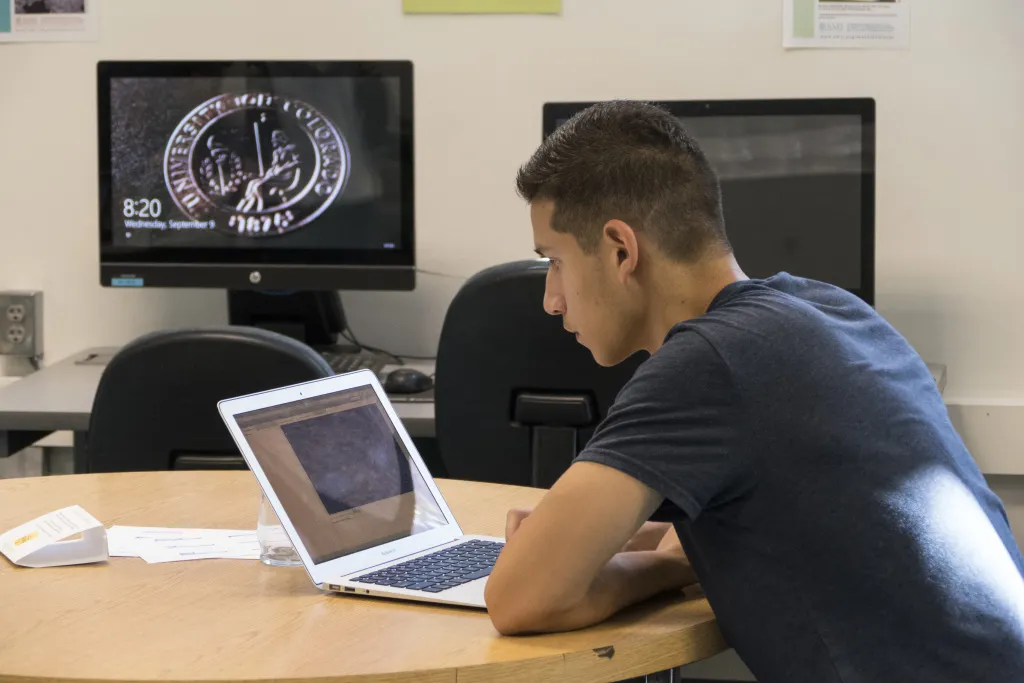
235,620
59,397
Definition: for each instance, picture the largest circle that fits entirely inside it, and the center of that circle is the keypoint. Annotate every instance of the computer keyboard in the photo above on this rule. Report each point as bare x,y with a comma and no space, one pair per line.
342,362
441,570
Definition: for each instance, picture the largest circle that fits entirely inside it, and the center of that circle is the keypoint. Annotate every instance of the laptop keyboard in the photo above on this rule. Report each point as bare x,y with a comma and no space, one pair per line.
441,570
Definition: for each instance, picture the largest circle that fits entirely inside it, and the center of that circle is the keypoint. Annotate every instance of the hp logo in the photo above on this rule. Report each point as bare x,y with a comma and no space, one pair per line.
255,277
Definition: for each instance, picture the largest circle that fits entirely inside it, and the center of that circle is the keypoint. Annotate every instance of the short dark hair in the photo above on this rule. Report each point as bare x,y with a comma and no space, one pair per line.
632,161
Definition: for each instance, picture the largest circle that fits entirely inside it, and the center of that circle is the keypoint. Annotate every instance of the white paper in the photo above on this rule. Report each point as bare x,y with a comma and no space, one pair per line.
160,544
846,23
41,542
49,20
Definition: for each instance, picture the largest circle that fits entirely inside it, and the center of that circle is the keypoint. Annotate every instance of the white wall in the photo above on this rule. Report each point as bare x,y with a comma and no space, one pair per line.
949,146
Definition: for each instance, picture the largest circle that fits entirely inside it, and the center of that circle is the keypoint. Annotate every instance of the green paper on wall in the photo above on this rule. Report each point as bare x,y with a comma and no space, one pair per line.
482,6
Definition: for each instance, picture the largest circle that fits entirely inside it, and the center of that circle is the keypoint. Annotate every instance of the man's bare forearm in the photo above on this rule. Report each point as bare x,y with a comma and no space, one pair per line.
628,578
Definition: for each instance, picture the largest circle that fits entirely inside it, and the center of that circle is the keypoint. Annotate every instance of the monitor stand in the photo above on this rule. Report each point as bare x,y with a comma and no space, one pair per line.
314,318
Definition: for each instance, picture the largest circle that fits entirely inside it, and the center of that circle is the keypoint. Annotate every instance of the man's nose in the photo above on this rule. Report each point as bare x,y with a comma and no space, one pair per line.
554,304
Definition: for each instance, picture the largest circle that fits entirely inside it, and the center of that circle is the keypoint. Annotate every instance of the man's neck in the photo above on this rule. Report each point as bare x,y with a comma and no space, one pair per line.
681,292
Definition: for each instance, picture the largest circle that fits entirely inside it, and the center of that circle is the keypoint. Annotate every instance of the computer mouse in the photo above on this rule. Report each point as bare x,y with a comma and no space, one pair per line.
407,381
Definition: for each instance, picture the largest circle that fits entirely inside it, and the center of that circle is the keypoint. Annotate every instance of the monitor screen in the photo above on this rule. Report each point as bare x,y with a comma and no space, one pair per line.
797,180
269,165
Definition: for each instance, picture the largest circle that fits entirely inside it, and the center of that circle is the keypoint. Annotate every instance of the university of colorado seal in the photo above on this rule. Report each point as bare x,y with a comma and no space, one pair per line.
255,164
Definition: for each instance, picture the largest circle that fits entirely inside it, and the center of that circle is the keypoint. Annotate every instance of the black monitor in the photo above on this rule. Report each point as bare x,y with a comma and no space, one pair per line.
798,182
283,176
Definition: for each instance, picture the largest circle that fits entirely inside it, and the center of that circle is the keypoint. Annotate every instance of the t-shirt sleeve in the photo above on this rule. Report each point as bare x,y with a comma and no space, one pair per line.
675,427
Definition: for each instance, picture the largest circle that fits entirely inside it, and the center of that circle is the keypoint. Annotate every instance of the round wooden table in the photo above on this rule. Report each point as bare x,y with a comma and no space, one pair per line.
239,620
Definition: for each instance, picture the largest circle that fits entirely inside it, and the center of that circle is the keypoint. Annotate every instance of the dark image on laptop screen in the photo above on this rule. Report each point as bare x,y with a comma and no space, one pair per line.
380,469
342,474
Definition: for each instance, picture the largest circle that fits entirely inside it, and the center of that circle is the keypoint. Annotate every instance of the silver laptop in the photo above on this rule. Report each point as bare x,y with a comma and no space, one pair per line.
353,494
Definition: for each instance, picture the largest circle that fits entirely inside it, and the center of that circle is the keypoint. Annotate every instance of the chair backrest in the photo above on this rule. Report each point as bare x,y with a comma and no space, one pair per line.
516,397
156,404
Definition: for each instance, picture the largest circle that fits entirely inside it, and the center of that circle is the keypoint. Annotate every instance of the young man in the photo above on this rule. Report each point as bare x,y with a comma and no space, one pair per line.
839,527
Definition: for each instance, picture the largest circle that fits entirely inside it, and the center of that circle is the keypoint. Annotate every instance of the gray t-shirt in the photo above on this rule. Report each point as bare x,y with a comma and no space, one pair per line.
839,527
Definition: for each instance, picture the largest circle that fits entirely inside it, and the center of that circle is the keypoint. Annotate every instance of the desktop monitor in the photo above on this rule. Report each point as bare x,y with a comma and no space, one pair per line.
262,175
797,178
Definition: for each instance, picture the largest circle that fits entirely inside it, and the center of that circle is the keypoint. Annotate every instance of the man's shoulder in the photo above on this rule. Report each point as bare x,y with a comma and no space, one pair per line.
685,344
788,289
756,316
688,366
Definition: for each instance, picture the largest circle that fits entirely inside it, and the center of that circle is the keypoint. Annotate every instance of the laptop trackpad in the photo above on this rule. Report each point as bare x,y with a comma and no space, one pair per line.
471,593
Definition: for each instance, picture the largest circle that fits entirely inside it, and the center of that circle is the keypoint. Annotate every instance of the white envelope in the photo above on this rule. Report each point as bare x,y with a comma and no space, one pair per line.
40,543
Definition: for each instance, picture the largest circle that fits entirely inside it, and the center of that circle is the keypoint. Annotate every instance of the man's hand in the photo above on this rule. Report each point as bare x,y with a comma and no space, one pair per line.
513,519
650,536
670,543
563,567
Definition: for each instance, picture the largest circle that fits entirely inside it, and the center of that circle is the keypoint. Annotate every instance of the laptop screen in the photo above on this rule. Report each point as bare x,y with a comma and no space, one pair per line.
341,472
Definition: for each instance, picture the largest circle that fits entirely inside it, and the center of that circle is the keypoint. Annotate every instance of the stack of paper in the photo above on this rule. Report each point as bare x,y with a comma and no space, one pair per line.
157,544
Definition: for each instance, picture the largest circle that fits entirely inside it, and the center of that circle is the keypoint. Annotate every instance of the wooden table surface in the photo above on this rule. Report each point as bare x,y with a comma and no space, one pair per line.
239,620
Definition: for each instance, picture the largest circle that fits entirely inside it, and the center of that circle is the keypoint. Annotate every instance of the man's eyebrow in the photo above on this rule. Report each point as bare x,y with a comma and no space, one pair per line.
540,251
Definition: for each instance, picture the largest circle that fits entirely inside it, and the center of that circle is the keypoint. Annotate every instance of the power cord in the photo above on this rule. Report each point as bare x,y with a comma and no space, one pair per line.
350,336
440,274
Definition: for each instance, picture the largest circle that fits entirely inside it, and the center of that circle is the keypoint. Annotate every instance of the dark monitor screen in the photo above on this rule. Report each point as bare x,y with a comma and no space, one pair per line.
797,180
300,172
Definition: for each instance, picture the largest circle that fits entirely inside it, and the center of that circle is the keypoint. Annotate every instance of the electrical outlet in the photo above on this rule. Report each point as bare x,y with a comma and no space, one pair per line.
21,324
16,334
16,313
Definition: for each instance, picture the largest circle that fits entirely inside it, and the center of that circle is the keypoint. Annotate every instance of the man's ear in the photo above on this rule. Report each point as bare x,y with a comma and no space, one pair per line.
621,243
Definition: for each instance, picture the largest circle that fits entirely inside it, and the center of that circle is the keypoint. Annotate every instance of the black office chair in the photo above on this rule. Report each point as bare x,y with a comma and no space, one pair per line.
156,404
516,397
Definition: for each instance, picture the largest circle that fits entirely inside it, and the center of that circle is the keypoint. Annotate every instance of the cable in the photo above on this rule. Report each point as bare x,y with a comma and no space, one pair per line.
440,274
350,336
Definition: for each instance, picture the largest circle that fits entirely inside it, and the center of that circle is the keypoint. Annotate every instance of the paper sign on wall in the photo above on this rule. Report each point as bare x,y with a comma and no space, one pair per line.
48,20
846,23
482,6
41,542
